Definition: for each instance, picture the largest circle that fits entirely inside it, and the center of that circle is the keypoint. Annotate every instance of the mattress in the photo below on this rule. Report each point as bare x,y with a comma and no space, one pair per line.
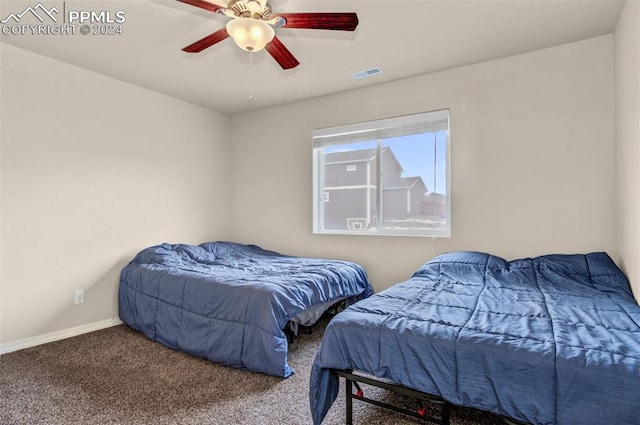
229,302
547,340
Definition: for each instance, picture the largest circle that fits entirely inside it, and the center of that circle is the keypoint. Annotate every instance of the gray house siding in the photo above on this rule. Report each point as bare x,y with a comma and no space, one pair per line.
351,176
346,174
403,198
342,205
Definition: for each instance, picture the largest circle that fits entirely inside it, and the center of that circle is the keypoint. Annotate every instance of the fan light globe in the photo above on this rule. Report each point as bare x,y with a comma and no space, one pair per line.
250,34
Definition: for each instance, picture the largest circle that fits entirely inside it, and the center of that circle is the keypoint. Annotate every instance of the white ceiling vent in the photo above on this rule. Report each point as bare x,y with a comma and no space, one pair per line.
366,73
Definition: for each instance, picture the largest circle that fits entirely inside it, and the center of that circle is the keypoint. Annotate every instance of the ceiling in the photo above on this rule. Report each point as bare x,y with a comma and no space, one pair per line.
403,38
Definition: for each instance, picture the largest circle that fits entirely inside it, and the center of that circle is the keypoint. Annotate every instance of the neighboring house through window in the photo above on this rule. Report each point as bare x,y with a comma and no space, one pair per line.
387,176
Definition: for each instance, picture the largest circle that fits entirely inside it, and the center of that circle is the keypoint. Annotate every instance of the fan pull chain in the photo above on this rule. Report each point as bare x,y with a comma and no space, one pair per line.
250,77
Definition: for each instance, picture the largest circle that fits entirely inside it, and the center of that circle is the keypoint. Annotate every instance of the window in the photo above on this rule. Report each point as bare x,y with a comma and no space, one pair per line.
387,177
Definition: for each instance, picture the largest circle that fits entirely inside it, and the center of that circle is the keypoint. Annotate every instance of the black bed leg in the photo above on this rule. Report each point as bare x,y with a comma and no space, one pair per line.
445,413
349,402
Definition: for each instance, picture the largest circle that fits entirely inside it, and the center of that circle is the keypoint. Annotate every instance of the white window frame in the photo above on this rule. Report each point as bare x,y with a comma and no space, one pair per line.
378,130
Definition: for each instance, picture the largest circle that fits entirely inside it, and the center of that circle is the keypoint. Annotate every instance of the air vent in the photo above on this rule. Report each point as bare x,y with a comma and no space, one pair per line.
366,73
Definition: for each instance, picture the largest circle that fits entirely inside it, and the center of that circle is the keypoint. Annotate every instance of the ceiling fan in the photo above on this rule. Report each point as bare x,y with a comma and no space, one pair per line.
252,22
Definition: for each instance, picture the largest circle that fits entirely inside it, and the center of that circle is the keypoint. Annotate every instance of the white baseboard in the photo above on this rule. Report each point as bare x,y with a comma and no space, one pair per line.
57,335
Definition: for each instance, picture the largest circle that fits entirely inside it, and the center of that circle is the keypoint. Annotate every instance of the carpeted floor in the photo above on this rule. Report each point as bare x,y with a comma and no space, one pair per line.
117,376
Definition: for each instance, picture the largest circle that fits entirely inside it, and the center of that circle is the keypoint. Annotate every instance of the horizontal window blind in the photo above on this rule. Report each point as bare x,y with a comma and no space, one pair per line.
382,129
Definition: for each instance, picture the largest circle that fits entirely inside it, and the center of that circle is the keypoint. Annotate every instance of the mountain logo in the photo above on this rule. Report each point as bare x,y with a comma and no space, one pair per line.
38,11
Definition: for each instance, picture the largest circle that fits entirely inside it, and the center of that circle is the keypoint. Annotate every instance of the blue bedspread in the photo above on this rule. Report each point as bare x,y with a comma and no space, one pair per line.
229,302
548,340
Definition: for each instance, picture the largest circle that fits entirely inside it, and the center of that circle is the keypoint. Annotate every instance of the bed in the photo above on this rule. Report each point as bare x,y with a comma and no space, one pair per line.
547,340
231,303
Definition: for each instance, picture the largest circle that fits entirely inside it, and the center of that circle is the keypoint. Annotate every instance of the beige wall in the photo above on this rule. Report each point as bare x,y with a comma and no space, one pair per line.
627,95
93,170
532,147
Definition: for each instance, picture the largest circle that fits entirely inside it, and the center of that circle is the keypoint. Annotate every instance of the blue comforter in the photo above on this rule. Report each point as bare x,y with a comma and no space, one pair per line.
548,340
229,302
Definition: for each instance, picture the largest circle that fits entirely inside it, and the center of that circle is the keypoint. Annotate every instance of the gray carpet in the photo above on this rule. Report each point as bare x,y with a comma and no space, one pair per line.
117,376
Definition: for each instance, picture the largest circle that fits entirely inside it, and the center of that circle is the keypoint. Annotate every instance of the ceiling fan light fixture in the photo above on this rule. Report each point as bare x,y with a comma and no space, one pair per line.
250,34
251,27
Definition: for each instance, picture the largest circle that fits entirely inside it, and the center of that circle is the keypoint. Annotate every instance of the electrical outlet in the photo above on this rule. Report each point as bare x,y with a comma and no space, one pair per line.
79,296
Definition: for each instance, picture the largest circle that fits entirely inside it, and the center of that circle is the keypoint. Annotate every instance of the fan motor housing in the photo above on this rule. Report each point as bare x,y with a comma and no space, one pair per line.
250,9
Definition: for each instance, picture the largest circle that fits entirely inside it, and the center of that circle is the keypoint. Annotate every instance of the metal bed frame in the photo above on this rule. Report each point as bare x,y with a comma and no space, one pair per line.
353,380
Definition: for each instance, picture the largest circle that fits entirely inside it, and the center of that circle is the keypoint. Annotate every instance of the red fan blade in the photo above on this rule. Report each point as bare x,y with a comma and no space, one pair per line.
281,54
321,21
203,5
208,41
